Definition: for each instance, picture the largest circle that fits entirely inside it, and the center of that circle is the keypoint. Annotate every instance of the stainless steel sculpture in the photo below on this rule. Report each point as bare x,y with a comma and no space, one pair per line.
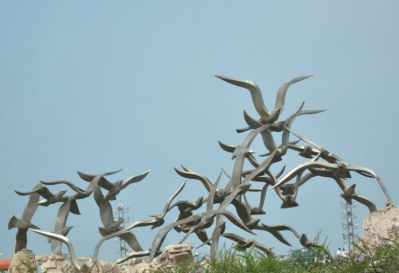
285,184
221,195
108,220
23,224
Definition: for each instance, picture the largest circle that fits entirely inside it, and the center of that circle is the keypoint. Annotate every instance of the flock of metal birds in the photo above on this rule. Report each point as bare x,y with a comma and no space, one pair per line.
233,194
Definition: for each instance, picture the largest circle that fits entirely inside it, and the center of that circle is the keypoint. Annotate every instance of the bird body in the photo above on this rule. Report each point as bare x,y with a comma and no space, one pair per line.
26,221
43,191
186,173
110,225
118,186
160,217
243,244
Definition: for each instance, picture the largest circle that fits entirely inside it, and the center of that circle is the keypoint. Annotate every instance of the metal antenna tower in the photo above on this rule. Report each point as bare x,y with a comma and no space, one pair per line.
349,224
121,215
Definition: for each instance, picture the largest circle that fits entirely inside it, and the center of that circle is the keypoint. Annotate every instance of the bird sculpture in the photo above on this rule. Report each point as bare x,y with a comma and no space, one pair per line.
243,244
249,168
108,220
25,222
43,191
82,268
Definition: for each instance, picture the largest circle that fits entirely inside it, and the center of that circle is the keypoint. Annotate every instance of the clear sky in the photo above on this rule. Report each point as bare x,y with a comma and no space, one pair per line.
101,85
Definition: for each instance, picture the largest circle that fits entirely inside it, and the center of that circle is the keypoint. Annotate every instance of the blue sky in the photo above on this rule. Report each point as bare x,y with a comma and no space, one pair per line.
99,85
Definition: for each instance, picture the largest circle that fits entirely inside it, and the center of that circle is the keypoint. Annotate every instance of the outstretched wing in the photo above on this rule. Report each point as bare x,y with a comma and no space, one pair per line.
256,94
66,182
174,195
134,179
103,182
186,173
282,92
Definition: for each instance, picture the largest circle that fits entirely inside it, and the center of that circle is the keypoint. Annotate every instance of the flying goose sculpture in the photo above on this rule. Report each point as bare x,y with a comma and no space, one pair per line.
257,98
25,222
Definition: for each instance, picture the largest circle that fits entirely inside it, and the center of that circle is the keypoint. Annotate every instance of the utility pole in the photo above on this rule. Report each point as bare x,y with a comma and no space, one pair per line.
349,224
121,215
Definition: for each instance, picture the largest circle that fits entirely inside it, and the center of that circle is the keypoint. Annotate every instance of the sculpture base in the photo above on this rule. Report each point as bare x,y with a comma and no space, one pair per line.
380,227
169,258
23,262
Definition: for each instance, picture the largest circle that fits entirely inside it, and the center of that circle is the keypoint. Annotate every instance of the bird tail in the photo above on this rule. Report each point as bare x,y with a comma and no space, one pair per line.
289,204
18,223
74,207
13,223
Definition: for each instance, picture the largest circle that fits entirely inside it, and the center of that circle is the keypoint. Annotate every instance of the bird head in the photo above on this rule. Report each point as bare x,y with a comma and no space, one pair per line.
241,151
159,221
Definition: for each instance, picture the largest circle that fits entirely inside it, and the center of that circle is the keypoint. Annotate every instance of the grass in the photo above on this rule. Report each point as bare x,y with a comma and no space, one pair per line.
364,259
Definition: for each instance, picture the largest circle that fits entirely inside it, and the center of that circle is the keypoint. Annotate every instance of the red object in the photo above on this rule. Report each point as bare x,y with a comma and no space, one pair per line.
4,264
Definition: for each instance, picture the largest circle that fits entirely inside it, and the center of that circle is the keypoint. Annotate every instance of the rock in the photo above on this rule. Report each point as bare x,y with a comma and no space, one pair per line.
61,264
23,262
174,254
110,268
170,257
52,263
141,268
380,227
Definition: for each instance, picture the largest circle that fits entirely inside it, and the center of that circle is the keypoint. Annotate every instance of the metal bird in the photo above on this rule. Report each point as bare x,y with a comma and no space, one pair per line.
240,154
186,209
118,186
256,95
187,206
99,180
219,230
321,152
186,173
160,217
110,225
45,193
73,258
64,182
243,244
122,232
276,231
205,222
163,232
257,98
133,255
73,206
210,214
350,193
25,222
305,242
193,220
60,227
